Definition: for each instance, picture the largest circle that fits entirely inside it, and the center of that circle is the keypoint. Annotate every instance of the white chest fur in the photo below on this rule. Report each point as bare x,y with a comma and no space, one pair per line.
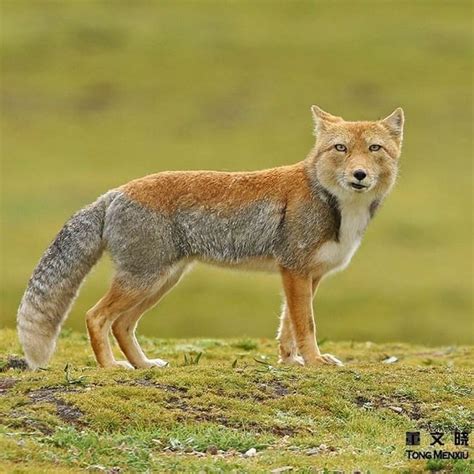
337,255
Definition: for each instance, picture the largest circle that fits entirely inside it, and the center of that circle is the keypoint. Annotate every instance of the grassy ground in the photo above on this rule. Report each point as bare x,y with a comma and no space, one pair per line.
205,412
94,94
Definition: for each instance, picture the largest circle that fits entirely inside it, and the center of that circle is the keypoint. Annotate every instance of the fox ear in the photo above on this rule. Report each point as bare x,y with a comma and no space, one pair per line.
394,122
320,118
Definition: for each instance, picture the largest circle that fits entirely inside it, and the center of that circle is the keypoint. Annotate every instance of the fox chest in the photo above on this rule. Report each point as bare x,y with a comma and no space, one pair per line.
336,255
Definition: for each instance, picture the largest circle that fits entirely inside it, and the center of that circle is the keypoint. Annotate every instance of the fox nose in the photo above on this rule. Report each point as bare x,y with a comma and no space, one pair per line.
359,174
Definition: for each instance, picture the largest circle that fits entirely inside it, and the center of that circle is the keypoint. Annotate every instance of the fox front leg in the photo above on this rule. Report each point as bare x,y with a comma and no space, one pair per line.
299,292
288,352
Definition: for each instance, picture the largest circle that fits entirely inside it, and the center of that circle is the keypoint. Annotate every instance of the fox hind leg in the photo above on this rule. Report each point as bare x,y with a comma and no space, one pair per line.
100,318
124,331
125,325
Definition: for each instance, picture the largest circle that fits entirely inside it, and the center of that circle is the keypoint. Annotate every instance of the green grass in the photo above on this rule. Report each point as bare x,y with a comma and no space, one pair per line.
205,416
97,93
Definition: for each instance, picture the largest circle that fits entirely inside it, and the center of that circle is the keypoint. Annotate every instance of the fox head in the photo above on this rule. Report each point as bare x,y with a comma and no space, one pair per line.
355,159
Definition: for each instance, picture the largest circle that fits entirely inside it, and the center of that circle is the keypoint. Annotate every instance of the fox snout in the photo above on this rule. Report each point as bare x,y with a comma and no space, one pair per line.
359,181
359,177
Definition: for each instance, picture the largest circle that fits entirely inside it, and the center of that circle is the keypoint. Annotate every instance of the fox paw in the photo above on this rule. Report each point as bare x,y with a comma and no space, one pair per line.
150,363
292,360
121,364
330,359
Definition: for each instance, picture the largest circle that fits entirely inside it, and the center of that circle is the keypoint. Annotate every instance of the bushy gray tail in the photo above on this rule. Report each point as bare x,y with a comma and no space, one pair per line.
56,281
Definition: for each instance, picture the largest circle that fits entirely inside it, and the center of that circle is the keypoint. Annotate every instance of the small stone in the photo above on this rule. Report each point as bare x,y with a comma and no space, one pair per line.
250,453
282,469
390,360
211,450
323,447
312,451
396,409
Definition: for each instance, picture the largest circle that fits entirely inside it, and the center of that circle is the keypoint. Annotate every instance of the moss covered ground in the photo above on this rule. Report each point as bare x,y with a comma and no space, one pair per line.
219,398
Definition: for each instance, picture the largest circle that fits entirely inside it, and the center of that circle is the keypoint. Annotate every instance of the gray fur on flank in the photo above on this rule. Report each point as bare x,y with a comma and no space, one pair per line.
144,243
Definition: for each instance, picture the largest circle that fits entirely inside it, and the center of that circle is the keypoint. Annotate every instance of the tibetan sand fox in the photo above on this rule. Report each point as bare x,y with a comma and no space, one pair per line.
303,220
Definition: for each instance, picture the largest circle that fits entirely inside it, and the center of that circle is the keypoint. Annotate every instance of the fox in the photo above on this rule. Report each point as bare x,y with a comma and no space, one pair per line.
303,221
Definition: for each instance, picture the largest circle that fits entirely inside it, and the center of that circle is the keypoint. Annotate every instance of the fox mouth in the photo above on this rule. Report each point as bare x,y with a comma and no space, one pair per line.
358,186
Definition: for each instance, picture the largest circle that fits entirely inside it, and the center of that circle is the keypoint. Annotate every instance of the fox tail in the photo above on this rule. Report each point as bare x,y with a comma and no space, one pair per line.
56,280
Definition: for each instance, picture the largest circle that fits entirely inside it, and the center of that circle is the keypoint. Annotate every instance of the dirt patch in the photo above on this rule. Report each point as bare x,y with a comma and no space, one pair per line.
64,410
13,362
151,383
6,384
277,388
283,430
161,386
360,401
19,419
397,403
26,419
207,414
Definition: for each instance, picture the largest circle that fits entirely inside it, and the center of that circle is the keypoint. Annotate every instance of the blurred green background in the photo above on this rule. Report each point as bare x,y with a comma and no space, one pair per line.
95,94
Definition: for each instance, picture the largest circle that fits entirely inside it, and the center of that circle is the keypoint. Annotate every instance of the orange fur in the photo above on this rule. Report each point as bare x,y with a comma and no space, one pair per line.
171,190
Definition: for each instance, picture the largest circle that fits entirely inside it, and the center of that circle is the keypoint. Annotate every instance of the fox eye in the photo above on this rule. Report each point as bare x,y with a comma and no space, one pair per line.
340,147
375,147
